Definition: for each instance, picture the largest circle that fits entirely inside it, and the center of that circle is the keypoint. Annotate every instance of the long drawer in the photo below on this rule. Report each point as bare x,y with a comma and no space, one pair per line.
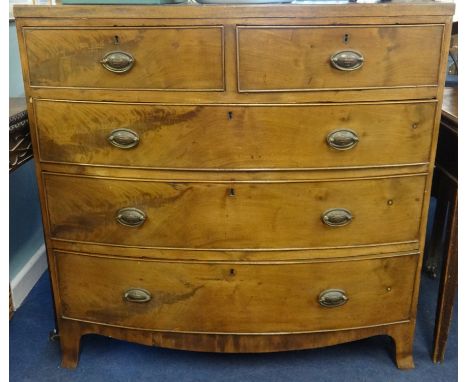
236,297
301,58
230,215
234,137
158,58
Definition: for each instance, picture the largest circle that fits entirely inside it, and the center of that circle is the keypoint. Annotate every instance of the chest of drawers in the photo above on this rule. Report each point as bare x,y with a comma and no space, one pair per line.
235,178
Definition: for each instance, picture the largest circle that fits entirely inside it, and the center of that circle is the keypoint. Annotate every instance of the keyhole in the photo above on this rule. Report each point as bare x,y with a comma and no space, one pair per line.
116,40
229,115
232,272
346,38
232,192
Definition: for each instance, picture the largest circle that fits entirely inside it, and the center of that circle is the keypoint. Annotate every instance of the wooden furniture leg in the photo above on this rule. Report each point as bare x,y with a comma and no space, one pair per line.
70,336
448,288
403,339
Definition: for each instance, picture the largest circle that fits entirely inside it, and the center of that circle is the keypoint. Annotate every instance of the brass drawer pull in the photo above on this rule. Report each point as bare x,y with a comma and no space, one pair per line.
137,295
347,60
123,138
337,217
131,217
118,62
332,298
342,139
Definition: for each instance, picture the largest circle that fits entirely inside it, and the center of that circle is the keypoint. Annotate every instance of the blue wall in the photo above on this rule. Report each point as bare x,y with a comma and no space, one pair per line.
26,235
16,78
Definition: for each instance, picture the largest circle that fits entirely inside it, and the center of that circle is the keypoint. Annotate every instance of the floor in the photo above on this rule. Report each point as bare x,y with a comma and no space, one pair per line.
34,358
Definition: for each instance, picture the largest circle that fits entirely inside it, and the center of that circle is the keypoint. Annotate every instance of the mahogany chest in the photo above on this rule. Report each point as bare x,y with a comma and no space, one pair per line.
235,178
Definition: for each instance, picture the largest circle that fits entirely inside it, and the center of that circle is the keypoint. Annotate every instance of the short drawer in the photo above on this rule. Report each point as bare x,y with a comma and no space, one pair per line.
230,215
234,137
236,297
159,58
300,58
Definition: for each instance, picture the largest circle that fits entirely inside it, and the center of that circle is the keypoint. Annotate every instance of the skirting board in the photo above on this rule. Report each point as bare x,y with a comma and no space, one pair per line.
27,277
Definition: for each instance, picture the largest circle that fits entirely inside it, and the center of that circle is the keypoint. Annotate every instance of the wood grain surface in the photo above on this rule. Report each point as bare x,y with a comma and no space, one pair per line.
298,58
234,343
264,298
234,215
232,170
270,255
398,8
188,58
234,137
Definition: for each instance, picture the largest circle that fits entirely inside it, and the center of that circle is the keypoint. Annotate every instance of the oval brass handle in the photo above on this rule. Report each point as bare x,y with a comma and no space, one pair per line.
331,298
118,62
347,60
137,295
123,138
337,217
342,139
131,217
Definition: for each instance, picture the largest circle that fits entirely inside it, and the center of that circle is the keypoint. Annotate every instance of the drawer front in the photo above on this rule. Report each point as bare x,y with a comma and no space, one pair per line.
234,137
299,58
234,215
236,297
164,58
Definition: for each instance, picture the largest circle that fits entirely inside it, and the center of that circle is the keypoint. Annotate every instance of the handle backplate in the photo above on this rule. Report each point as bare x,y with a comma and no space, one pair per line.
342,139
131,217
118,62
138,295
337,217
347,60
332,298
123,138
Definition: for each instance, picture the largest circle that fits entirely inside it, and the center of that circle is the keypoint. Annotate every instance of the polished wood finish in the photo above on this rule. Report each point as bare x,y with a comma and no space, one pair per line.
445,183
232,96
298,58
227,136
226,215
444,238
213,18
183,59
233,343
397,8
70,338
448,287
220,210
246,254
185,293
450,105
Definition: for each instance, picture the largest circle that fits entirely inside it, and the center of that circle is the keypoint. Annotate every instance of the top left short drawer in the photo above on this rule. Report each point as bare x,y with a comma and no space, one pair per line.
150,58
